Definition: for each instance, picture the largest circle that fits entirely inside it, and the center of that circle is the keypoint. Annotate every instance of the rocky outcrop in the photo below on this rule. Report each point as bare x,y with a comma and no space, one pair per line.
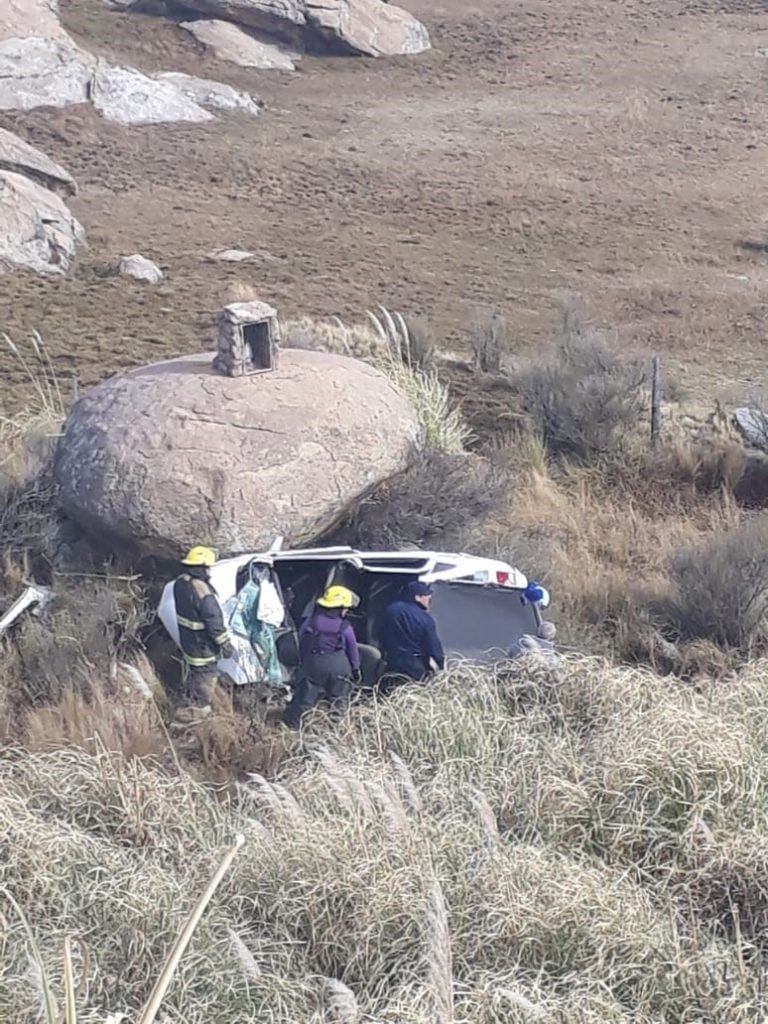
235,45
37,72
37,231
175,454
18,156
370,27
279,19
40,65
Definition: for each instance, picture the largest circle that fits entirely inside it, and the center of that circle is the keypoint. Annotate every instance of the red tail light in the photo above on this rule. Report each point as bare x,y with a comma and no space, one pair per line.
502,578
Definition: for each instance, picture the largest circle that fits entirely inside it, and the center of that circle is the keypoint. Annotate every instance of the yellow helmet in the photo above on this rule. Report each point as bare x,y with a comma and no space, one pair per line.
338,597
200,556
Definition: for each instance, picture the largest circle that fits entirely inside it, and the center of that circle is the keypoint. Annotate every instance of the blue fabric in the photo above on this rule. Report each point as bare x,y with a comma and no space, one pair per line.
409,640
418,589
261,636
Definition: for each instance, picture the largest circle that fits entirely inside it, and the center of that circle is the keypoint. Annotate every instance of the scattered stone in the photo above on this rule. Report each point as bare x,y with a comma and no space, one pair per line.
127,96
20,157
238,46
753,424
140,268
175,453
42,73
204,93
230,255
37,231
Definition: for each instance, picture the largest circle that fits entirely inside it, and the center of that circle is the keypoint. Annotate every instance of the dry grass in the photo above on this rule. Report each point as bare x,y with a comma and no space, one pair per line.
522,847
610,540
26,439
360,341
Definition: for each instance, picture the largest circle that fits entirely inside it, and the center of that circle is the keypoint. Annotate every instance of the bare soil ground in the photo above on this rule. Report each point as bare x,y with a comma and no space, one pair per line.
616,151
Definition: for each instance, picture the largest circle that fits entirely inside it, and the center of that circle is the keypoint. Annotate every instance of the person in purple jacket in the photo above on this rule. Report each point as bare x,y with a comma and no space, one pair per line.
329,657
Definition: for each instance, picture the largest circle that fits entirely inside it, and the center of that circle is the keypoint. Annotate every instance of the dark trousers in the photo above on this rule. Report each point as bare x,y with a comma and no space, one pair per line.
414,668
323,677
199,684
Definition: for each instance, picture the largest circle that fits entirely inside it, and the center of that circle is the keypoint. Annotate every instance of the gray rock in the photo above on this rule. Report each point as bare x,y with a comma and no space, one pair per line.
37,231
22,19
20,157
127,96
230,43
283,19
140,268
38,72
175,454
205,93
753,425
370,27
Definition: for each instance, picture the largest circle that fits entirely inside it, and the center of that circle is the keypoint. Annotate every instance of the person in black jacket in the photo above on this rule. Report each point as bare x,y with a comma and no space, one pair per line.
409,641
204,638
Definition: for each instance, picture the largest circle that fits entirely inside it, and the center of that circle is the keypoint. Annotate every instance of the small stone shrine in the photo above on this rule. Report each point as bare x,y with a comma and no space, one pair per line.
248,340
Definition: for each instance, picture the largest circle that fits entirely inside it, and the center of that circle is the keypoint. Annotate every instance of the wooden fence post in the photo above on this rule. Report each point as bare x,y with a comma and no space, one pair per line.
655,399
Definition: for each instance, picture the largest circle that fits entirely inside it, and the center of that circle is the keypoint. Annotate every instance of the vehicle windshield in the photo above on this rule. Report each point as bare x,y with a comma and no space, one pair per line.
481,623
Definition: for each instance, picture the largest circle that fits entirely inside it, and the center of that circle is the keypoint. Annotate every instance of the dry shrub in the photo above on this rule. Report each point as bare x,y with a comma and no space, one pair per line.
231,745
421,350
90,624
29,531
436,502
490,341
358,340
721,588
584,401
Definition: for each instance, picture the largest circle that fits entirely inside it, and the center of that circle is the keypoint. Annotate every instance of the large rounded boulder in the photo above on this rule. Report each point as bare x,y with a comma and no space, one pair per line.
176,454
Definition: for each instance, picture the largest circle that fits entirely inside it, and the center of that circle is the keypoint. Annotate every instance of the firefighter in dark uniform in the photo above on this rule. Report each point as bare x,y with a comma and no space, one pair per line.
202,634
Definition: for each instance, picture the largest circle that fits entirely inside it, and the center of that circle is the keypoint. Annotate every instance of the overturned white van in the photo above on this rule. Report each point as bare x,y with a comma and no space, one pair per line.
482,607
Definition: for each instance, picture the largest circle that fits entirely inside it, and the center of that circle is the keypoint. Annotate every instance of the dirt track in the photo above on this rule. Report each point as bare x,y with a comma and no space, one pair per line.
617,151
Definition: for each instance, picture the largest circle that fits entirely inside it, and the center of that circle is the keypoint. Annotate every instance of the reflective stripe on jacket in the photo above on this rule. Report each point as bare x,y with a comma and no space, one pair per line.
202,633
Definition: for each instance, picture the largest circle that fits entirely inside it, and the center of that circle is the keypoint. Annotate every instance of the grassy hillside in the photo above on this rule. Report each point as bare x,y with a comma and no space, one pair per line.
583,844
580,845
